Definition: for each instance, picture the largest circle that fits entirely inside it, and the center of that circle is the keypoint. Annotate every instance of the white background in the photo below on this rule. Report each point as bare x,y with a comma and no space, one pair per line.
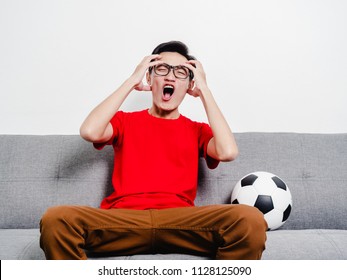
89,270
273,66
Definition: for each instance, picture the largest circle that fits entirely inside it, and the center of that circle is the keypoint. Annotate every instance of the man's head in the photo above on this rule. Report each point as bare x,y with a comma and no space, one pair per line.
174,46
170,80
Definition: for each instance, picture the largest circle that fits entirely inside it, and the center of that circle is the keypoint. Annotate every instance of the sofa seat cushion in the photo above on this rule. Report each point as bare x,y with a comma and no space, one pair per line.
23,244
310,244
148,257
20,244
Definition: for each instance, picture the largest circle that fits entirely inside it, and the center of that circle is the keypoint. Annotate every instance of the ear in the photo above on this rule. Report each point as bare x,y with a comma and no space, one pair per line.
191,85
148,78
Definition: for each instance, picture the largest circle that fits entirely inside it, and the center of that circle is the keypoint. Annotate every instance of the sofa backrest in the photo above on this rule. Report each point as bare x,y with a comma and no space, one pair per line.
37,172
314,167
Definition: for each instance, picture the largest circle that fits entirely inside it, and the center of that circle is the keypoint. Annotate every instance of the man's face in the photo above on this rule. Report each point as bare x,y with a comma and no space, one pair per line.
169,91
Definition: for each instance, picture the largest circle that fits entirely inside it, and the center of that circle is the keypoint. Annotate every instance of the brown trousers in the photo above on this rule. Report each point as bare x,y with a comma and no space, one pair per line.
217,231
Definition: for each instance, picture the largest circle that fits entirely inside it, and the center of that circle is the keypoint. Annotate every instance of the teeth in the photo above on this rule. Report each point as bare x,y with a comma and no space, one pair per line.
168,89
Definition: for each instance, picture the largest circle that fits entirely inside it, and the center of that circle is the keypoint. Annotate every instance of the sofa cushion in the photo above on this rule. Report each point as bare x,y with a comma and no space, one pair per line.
20,244
310,244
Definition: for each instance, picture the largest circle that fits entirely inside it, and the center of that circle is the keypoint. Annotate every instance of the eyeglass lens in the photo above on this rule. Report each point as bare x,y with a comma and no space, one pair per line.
180,72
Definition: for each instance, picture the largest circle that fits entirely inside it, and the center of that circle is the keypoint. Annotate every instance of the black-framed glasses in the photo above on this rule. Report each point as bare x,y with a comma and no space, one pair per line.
180,72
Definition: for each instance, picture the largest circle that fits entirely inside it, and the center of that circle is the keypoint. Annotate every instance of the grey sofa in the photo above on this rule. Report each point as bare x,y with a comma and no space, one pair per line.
37,172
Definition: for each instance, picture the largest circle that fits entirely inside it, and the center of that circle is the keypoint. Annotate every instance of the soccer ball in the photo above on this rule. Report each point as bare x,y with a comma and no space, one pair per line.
268,193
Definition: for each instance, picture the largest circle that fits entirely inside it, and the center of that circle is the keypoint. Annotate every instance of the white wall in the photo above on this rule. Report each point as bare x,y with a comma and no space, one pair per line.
272,65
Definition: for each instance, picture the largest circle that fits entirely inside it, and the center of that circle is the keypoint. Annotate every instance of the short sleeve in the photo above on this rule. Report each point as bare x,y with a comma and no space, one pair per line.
117,125
205,135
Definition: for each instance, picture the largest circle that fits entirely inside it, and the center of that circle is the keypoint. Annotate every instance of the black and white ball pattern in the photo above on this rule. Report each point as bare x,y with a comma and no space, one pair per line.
268,193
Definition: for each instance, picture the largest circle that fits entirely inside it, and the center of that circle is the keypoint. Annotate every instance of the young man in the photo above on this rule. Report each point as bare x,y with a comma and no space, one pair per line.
156,154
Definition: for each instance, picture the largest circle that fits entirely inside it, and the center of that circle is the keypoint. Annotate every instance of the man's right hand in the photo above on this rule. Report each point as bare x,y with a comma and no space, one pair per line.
140,71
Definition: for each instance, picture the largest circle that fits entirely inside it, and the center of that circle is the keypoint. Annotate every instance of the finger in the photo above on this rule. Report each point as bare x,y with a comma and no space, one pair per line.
192,62
153,57
147,62
148,59
143,87
155,62
193,93
146,88
190,66
193,65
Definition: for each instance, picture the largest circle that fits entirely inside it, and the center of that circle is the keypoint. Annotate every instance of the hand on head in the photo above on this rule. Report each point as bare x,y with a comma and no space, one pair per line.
140,71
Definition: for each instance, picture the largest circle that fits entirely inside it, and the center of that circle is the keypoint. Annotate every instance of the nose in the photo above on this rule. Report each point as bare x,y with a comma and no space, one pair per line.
170,76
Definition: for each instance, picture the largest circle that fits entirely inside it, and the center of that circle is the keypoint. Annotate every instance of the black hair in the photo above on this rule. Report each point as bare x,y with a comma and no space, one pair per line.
174,46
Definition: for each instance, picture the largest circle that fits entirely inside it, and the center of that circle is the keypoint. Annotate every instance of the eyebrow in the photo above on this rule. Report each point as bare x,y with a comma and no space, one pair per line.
173,65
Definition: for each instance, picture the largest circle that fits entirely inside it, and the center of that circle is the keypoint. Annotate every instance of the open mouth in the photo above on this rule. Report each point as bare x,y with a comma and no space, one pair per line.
168,92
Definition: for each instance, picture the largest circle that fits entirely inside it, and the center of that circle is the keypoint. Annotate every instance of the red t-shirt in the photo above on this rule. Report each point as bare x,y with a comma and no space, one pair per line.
155,160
